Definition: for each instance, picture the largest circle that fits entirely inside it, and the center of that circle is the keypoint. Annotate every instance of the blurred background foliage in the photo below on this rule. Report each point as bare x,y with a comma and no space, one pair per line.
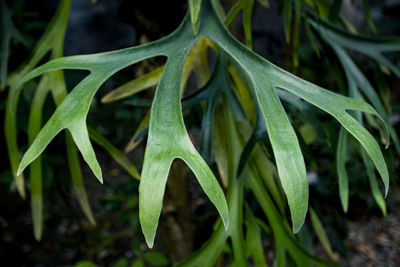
69,239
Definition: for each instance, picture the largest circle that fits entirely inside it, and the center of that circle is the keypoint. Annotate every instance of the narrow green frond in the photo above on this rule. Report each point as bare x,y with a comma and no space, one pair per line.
341,158
195,6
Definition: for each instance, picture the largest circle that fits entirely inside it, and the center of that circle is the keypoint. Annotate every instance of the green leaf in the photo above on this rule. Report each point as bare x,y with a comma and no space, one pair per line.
72,112
357,78
311,38
298,6
219,83
168,140
287,18
47,42
135,86
235,191
371,46
337,106
207,255
8,31
288,156
138,137
235,138
34,124
265,78
321,234
195,61
233,12
166,128
195,6
225,139
77,179
376,192
10,132
285,240
53,82
247,11
367,12
51,40
253,240
341,158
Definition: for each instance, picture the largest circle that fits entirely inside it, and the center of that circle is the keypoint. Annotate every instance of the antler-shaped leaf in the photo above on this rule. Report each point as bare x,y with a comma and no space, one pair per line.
338,40
72,112
265,78
371,46
51,40
354,74
168,138
219,83
355,80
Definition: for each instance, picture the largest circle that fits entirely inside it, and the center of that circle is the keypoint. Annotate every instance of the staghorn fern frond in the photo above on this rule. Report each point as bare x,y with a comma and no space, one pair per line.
167,136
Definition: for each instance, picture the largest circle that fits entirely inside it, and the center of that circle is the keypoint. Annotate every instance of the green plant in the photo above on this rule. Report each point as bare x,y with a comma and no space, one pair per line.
244,89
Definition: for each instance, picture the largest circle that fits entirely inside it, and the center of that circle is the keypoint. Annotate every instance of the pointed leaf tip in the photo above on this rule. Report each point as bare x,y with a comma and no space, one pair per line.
21,167
149,240
226,222
100,178
195,6
386,189
297,226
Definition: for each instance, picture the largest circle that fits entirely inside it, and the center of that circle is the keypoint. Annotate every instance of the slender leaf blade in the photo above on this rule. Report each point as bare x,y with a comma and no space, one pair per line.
195,6
321,233
135,86
341,157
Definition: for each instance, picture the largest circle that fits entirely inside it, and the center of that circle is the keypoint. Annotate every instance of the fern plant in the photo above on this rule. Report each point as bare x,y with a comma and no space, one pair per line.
242,102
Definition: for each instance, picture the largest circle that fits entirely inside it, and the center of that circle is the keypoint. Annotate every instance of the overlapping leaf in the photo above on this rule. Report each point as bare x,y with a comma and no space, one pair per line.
54,83
195,6
8,31
370,46
321,233
265,77
167,137
356,80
